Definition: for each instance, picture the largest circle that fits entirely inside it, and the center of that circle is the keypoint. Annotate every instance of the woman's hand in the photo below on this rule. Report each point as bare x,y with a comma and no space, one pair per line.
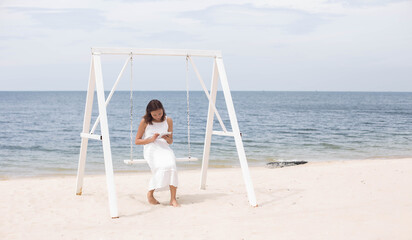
152,139
168,138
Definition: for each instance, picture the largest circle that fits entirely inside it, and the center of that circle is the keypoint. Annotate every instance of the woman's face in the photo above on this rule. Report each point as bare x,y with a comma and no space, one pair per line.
157,114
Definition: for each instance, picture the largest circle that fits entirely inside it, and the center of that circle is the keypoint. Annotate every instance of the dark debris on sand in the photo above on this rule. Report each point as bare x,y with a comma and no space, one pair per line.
281,164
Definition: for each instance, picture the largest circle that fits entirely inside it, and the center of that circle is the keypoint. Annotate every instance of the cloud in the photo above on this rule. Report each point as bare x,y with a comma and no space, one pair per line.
281,45
288,20
363,3
61,19
172,36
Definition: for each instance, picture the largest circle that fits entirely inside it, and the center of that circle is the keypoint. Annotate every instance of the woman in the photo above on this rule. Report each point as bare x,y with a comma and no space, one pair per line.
156,134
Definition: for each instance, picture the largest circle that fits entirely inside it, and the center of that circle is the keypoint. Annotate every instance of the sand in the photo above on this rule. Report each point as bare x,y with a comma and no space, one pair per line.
365,199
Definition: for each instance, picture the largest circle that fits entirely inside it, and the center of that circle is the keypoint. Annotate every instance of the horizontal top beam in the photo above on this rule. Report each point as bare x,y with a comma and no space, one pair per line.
157,52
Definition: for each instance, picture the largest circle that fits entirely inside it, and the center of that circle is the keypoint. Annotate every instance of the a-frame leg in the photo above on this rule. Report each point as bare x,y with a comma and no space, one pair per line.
235,128
86,128
105,137
209,126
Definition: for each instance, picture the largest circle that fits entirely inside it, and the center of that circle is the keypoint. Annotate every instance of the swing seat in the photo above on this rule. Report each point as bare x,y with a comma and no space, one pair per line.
140,161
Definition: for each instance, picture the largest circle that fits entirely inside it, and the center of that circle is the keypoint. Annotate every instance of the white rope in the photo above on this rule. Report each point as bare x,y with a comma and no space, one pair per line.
188,107
189,158
131,106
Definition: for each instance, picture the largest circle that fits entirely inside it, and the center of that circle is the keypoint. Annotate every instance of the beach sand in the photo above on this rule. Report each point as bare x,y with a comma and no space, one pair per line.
365,199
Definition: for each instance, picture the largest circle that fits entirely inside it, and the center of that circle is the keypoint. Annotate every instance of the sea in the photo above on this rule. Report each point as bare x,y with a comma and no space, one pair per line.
40,131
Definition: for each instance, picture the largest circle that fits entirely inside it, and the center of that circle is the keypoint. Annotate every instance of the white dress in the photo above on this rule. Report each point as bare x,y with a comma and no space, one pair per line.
160,157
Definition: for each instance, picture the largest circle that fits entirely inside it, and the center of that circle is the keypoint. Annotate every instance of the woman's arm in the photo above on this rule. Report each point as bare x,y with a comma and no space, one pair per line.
169,137
138,140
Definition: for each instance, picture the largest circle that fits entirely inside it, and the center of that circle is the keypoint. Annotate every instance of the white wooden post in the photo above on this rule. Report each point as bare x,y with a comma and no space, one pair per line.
209,126
86,127
104,126
236,132
112,92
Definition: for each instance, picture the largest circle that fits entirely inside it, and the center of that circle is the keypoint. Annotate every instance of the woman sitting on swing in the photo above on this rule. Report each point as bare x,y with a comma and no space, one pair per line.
157,153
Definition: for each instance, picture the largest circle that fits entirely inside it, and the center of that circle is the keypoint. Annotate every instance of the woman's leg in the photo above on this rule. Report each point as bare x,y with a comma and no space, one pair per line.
151,198
173,201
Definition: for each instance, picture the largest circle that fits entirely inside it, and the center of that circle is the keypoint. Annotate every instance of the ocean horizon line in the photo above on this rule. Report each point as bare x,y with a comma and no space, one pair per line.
286,91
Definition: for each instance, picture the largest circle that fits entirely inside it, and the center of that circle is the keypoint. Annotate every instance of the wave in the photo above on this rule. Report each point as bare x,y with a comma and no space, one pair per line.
28,148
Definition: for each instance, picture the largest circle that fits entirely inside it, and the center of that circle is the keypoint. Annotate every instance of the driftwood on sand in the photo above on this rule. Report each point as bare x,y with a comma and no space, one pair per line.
281,164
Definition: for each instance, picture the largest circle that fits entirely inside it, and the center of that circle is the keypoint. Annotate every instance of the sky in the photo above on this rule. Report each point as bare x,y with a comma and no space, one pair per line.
284,45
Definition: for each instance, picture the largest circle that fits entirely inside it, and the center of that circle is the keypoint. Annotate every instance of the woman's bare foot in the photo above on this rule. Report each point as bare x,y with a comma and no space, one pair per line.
174,203
151,198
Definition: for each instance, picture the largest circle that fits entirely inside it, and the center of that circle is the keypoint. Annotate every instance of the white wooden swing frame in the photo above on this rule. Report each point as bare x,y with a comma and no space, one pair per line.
96,84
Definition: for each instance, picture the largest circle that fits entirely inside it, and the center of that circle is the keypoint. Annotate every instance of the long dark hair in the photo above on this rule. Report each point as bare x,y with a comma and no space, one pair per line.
153,105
